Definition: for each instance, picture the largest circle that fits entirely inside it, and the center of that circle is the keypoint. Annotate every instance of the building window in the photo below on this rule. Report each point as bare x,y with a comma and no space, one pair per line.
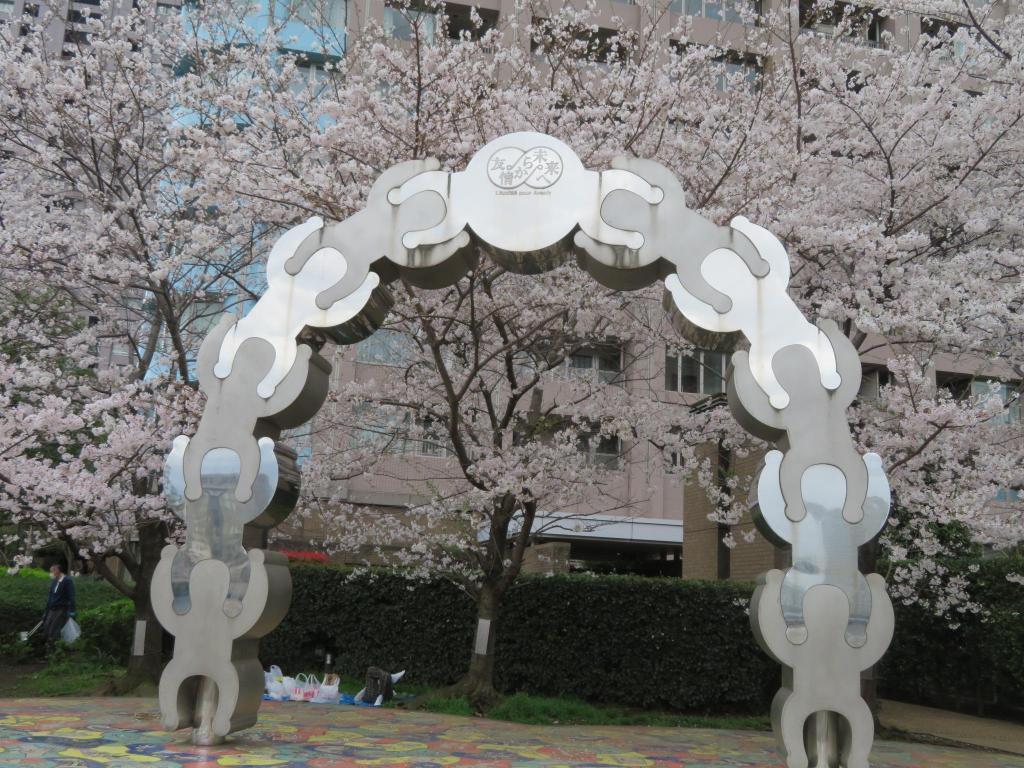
201,317
871,383
857,22
598,364
76,16
602,451
7,7
387,430
404,23
700,373
939,27
462,25
301,439
1008,496
719,10
313,14
377,430
738,70
609,45
309,73
432,441
982,390
600,46
386,347
316,28
943,34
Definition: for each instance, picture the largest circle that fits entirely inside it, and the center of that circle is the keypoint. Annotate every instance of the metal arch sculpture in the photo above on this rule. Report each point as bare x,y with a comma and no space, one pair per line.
523,198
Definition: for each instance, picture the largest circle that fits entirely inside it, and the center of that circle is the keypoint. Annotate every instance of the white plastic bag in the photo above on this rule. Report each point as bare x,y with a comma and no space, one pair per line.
328,691
71,631
276,690
296,685
287,683
271,675
273,683
304,688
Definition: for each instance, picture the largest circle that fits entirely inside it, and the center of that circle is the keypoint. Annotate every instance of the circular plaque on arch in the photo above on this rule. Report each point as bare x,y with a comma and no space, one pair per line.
525,192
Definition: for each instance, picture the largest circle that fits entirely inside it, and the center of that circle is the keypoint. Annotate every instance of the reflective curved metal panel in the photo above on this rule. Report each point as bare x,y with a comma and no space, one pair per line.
760,308
522,194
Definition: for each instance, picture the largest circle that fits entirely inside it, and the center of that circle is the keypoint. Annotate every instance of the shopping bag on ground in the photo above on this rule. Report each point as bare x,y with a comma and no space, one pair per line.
312,688
272,674
328,691
277,691
71,631
296,687
304,688
274,682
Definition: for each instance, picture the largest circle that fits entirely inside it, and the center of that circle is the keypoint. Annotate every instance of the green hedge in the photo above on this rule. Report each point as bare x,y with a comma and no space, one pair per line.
372,619
978,667
23,597
658,643
107,631
649,642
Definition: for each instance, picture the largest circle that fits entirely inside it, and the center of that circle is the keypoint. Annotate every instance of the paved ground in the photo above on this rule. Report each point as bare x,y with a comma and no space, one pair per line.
123,732
993,734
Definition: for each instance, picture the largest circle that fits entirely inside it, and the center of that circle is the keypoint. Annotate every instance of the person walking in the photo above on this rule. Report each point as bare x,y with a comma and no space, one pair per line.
60,604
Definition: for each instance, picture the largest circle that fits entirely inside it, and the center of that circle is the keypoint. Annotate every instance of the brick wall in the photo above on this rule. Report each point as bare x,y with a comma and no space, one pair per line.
702,556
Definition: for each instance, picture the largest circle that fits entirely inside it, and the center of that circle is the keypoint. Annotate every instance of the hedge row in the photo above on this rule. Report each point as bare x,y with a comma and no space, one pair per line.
107,631
978,667
658,643
663,643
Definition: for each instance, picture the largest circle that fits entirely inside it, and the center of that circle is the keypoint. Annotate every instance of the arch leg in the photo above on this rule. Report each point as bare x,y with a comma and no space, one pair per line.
793,716
176,694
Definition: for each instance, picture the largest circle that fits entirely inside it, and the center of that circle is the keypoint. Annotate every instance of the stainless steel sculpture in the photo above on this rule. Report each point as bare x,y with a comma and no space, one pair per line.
527,201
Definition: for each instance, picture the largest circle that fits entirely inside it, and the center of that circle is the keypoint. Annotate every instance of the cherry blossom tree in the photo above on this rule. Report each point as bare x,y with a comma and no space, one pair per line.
144,177
112,270
908,233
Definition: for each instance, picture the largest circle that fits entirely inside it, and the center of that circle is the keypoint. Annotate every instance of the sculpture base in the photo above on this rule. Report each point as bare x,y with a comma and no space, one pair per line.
204,737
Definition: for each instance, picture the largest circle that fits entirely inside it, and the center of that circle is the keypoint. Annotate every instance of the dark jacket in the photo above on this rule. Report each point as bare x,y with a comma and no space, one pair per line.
62,594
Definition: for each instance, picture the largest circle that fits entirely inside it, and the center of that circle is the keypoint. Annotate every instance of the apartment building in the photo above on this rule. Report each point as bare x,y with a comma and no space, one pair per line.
670,532
340,22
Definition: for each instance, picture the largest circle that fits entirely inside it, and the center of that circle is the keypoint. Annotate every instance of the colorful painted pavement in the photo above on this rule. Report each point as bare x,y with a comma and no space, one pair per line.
123,732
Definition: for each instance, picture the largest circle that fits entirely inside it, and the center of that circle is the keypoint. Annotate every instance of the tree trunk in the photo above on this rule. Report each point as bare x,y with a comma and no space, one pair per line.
146,660
478,683
724,554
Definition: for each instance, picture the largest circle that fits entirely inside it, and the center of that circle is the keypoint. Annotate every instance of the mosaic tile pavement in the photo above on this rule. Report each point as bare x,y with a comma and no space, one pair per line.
84,733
